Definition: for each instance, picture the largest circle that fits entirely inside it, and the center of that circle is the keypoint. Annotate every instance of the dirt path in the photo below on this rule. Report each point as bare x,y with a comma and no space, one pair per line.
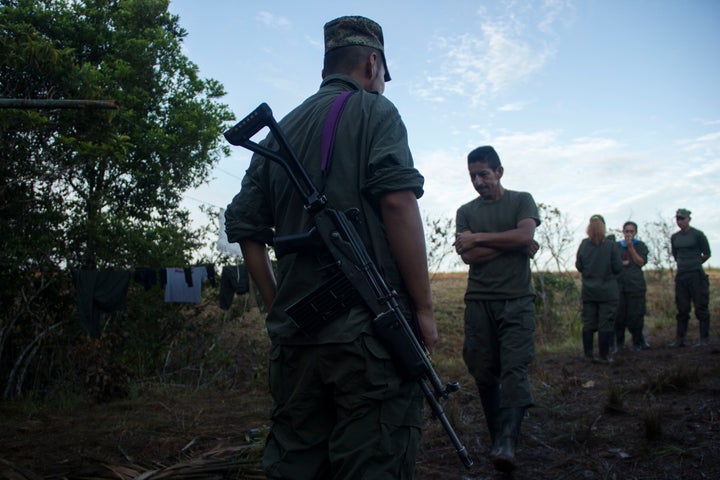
650,415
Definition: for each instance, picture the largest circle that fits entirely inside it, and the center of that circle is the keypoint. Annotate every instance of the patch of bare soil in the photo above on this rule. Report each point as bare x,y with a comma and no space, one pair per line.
653,414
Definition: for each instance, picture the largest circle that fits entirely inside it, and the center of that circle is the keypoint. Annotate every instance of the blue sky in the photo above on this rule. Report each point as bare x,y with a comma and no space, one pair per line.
595,106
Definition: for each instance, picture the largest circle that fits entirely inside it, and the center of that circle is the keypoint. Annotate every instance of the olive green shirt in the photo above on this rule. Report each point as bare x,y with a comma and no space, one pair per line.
371,158
507,276
599,266
632,279
688,247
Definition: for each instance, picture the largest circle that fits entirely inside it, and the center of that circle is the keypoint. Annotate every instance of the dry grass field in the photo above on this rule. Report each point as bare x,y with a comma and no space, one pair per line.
653,414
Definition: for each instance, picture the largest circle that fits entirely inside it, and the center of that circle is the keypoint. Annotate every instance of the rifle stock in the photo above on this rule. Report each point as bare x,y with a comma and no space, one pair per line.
334,231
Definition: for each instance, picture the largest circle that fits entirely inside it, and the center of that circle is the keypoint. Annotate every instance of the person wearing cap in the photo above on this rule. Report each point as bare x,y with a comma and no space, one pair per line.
691,249
631,283
494,236
340,409
599,263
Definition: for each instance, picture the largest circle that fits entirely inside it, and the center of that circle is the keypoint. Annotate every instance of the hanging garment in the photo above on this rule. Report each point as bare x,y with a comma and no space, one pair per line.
210,267
99,291
184,285
147,277
233,279
223,244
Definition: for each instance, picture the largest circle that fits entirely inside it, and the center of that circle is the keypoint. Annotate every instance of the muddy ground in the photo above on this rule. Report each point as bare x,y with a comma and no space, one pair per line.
653,414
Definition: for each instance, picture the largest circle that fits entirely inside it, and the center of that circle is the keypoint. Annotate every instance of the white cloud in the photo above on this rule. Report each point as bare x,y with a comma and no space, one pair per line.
512,107
555,12
509,49
583,176
318,45
270,20
709,141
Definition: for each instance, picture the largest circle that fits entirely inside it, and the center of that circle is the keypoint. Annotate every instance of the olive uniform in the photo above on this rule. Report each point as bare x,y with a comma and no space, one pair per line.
632,304
499,302
339,408
691,281
599,266
500,320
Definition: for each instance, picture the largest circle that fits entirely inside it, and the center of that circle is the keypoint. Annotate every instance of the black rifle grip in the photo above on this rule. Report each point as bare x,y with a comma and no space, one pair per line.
246,128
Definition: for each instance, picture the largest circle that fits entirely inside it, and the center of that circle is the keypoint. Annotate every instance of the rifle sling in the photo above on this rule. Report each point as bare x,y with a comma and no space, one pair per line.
328,134
336,295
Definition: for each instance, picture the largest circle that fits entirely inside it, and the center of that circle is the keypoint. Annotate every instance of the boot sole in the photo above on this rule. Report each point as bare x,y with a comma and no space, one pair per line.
504,464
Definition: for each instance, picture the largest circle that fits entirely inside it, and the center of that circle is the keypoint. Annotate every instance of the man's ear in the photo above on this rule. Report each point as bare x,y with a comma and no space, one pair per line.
500,170
371,66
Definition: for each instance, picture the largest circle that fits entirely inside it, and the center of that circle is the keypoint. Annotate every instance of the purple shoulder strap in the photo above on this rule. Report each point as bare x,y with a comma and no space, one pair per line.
330,127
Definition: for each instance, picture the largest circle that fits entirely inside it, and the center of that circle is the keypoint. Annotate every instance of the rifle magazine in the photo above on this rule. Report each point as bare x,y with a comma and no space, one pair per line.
333,297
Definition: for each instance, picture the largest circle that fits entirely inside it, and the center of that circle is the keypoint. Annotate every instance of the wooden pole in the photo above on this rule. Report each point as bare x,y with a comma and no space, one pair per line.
44,103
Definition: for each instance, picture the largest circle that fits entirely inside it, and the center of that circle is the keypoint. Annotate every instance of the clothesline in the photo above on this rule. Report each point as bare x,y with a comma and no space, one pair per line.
105,291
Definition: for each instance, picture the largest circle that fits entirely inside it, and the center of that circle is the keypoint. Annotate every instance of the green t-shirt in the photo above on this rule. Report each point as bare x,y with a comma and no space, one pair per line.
371,157
688,247
599,266
632,279
507,276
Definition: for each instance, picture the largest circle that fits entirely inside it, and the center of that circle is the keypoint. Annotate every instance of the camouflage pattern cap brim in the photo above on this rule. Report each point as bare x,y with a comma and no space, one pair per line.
355,30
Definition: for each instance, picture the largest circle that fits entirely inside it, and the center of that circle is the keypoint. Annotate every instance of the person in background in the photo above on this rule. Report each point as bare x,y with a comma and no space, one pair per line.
598,261
494,236
340,408
691,249
631,282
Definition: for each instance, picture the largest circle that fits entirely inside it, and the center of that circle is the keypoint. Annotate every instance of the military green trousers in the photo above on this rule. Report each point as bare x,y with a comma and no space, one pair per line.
630,312
499,347
341,412
599,316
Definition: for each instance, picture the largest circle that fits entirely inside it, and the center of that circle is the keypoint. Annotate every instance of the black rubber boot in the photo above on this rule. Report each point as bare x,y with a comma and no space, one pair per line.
639,342
680,332
490,399
704,331
503,451
588,342
619,341
604,340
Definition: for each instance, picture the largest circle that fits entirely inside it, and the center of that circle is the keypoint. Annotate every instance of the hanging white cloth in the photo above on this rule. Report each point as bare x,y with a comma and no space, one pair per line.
223,245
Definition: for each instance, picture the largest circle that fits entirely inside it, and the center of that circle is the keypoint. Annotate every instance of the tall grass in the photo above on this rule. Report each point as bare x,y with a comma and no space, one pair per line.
558,307
203,346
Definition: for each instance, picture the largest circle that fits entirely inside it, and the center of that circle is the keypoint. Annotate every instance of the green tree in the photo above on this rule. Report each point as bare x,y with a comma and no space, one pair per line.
656,235
91,187
555,239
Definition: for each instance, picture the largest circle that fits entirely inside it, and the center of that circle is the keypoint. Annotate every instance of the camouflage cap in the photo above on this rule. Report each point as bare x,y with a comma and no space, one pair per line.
683,213
355,30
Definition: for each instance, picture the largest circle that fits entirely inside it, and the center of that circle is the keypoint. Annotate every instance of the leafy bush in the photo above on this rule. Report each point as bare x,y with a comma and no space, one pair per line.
557,303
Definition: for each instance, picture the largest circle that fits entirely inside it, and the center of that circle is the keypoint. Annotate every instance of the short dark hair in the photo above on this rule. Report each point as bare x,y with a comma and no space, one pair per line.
630,223
485,154
346,59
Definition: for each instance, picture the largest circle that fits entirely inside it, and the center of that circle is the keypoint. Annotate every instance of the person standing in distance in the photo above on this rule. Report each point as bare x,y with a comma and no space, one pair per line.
598,261
494,236
340,409
691,249
631,282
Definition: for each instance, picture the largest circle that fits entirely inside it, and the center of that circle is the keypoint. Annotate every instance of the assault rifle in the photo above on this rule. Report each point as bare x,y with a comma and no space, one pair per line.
356,277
